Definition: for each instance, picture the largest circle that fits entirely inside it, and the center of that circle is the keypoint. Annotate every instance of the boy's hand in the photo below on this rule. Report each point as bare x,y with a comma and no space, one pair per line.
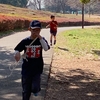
55,27
17,56
39,36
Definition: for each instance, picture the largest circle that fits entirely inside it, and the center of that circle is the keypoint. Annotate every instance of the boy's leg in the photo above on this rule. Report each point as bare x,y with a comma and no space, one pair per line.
26,85
54,40
51,39
55,37
36,83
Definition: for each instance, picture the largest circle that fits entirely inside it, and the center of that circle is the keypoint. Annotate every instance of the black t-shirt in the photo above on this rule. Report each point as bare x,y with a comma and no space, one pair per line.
34,65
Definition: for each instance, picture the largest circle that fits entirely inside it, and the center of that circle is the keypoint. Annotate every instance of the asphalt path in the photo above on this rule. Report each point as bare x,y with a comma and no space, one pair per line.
10,71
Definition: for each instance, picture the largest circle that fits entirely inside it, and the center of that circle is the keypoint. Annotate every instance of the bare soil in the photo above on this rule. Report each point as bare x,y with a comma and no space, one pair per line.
74,78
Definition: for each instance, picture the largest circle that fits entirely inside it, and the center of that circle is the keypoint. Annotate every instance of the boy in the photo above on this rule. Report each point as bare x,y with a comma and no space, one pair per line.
53,29
32,66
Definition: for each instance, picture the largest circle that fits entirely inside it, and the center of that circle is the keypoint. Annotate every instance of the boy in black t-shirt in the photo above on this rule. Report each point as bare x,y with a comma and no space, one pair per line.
32,66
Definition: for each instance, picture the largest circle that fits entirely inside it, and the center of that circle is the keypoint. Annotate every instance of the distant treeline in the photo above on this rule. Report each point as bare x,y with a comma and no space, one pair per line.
58,6
19,3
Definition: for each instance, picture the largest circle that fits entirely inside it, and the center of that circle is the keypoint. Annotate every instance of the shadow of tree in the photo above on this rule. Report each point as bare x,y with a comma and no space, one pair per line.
74,85
10,79
63,49
10,83
97,52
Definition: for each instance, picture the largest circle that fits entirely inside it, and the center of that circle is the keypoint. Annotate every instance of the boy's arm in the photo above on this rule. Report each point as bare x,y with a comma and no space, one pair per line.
18,49
48,26
55,23
44,43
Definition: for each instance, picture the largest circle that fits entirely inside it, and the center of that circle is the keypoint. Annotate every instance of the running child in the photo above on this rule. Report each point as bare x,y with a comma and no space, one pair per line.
32,66
53,29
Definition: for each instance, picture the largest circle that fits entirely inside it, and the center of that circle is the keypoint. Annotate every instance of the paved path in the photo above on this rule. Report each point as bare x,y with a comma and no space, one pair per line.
10,87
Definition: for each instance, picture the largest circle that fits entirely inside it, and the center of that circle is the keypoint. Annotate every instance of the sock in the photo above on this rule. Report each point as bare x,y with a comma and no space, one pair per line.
54,41
50,41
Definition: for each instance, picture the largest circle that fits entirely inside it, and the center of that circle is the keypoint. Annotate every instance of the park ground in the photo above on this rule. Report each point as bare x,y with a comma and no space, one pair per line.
73,77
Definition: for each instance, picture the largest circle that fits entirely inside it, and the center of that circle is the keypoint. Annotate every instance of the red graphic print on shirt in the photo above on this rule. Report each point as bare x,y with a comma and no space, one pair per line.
33,51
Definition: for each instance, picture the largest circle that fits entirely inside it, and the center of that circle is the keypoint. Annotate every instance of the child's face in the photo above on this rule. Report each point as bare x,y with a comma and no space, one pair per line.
35,32
53,18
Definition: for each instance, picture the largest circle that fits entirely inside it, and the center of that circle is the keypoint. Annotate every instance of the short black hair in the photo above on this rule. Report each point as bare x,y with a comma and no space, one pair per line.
52,16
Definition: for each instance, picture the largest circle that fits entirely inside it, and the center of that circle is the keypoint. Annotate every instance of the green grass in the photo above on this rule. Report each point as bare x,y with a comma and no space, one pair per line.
80,41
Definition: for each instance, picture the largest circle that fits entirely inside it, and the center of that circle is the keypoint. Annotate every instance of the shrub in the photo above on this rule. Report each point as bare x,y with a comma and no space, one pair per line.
11,23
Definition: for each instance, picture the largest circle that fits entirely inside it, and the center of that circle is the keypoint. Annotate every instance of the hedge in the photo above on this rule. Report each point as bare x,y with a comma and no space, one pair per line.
11,23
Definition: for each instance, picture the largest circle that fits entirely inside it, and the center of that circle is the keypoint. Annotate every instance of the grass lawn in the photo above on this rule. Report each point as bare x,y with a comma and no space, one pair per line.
79,42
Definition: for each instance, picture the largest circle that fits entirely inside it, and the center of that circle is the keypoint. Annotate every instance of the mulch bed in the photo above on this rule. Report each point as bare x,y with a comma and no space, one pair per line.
74,78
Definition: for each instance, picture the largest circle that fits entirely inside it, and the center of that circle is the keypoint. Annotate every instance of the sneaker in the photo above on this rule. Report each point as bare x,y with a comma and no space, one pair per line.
35,94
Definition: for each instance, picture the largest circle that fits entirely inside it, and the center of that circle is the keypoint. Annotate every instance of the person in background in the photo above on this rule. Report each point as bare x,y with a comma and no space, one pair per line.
32,66
53,29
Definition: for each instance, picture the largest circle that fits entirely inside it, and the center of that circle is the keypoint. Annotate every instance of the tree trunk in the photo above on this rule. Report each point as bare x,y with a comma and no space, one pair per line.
82,15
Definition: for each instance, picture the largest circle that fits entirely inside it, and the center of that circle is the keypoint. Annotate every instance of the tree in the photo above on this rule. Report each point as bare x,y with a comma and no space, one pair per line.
92,7
67,6
75,5
56,5
63,5
34,4
83,2
53,5
19,3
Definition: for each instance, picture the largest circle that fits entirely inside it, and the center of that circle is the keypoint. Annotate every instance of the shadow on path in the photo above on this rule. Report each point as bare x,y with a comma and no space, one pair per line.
9,85
10,79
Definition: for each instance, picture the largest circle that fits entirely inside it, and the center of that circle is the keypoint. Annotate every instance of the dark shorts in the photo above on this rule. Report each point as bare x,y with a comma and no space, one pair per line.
53,32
